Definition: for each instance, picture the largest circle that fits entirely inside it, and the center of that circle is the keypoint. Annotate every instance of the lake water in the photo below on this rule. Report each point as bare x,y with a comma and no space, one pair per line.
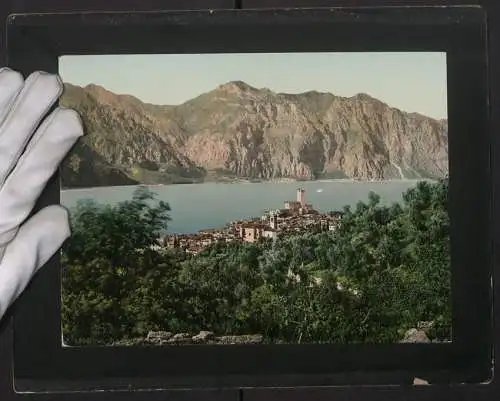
211,205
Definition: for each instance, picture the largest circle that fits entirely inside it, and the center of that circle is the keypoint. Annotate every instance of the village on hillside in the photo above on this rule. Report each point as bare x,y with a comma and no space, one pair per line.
296,216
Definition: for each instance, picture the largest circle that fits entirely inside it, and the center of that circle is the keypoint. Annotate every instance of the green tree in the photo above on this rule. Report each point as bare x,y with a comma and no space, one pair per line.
111,275
385,269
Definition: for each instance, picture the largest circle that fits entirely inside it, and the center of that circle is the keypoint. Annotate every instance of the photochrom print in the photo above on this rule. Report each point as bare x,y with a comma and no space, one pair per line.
287,198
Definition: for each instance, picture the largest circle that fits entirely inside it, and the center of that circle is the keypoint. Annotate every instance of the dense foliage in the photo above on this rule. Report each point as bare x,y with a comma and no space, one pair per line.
385,269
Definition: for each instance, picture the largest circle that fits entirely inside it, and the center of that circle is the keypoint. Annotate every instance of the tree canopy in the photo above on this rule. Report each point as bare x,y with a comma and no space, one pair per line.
385,269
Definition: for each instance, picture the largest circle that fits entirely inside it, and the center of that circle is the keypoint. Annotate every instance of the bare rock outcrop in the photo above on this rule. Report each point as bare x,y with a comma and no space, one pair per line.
203,337
238,131
415,336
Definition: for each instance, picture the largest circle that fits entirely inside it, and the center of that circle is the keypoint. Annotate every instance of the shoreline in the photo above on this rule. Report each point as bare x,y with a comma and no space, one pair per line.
277,181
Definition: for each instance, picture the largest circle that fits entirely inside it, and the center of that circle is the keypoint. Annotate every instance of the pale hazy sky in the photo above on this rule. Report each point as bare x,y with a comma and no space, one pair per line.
413,82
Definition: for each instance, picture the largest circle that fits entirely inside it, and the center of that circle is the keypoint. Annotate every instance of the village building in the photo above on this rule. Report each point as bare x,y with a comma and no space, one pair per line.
270,233
297,216
251,232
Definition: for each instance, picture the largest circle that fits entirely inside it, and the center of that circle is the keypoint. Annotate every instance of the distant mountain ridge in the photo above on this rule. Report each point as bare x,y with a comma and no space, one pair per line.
237,132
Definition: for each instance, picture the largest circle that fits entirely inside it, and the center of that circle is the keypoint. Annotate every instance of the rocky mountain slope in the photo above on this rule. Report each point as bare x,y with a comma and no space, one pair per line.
240,132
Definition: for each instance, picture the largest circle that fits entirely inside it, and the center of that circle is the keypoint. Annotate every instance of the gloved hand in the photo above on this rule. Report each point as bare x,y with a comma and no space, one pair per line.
29,156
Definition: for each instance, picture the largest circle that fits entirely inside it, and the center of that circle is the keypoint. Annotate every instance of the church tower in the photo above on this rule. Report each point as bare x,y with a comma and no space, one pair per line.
301,197
273,221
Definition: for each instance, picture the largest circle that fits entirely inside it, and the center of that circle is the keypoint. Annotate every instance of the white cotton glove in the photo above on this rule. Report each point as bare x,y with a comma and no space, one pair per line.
28,158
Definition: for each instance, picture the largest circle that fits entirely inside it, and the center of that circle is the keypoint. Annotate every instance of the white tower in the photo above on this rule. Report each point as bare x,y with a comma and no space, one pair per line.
273,221
301,197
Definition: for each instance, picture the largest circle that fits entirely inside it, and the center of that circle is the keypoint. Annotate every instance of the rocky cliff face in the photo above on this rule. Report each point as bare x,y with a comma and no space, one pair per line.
240,132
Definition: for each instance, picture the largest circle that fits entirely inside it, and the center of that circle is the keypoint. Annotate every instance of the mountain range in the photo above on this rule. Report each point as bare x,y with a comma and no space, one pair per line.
238,132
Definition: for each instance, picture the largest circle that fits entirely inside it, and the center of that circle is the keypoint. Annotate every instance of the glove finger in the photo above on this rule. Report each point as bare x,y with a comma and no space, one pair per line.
36,241
51,142
40,92
11,83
